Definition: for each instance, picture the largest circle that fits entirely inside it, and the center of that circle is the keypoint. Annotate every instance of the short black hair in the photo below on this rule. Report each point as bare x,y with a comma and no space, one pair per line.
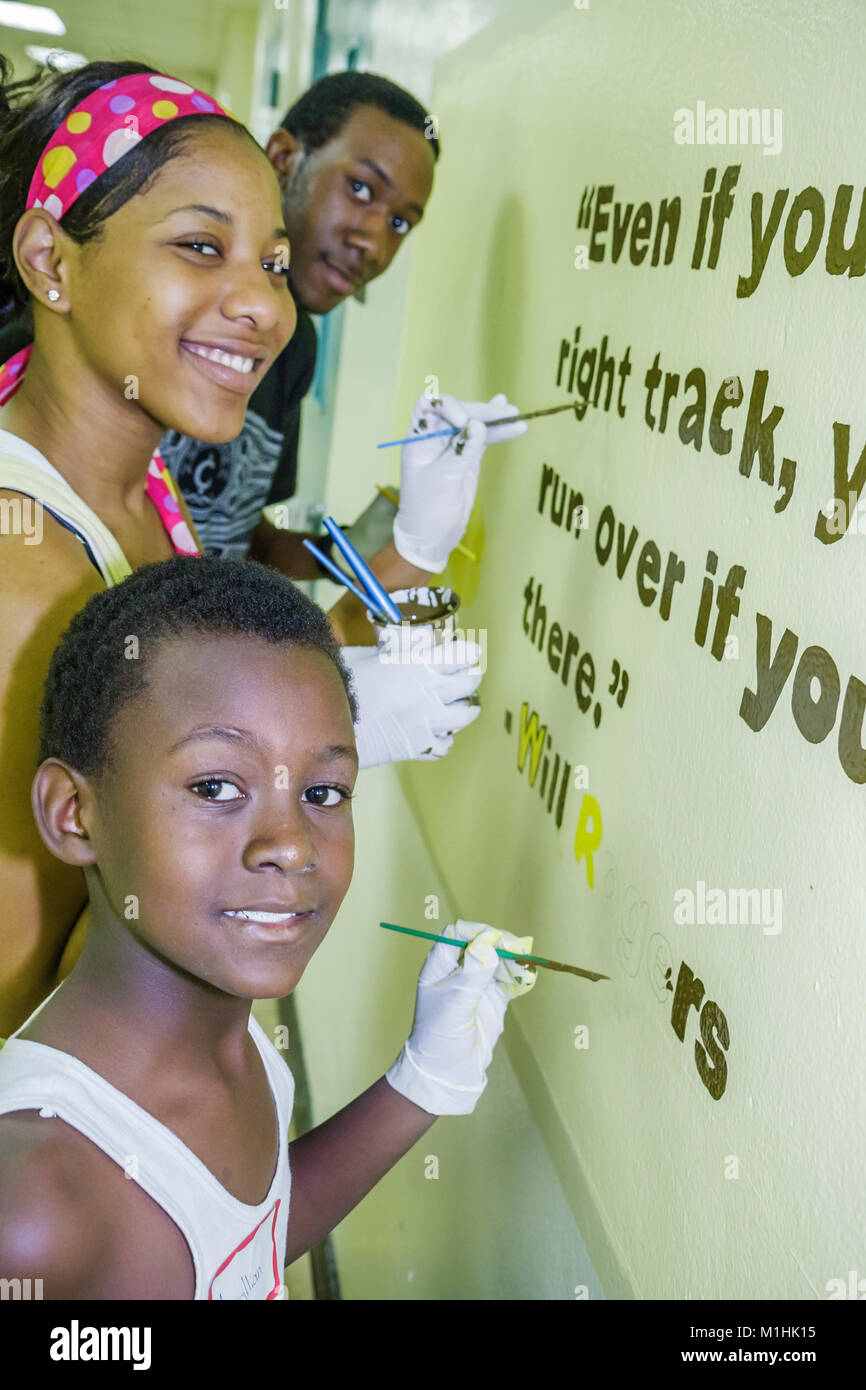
91,676
31,110
324,108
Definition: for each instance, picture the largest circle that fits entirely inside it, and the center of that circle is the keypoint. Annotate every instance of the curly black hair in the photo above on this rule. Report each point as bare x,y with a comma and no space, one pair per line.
31,110
324,108
90,678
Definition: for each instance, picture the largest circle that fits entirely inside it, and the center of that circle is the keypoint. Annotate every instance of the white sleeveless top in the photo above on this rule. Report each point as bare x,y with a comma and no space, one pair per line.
24,469
238,1251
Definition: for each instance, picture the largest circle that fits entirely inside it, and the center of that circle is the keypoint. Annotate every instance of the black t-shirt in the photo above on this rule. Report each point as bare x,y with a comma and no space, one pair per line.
227,485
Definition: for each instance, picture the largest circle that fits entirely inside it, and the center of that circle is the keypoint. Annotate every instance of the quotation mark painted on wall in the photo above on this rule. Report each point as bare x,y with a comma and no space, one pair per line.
618,684
584,215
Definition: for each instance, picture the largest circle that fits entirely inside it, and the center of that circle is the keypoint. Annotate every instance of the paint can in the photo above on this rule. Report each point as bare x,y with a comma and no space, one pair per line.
426,634
429,615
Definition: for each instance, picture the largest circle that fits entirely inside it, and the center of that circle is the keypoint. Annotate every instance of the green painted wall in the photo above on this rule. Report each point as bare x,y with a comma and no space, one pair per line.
713,1158
495,1223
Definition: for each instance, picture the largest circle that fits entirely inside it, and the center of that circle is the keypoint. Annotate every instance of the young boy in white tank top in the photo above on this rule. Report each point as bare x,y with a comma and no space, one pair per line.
197,763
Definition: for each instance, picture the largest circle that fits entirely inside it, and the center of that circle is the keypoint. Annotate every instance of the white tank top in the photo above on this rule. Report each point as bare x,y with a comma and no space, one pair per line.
237,1250
24,469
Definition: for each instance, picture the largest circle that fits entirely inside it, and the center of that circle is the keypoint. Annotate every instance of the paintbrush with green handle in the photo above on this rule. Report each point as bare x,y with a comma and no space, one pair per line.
509,955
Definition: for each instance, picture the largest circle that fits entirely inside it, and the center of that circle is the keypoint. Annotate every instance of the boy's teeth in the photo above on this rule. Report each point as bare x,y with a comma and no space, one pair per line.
262,916
240,364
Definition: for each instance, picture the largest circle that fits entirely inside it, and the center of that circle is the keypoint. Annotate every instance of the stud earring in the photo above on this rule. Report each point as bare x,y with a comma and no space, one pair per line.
53,294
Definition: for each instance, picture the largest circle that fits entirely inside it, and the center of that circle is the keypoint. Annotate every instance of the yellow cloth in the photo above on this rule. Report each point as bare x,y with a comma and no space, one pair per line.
516,978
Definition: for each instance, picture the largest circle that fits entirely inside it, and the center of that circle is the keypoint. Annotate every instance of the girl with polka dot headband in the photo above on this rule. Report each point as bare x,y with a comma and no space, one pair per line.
105,126
96,134
141,241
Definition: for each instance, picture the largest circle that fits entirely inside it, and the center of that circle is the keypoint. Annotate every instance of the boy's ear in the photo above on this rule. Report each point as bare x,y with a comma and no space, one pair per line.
284,150
61,799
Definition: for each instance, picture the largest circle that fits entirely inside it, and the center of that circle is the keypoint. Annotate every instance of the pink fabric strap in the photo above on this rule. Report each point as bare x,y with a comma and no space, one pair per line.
104,127
11,373
160,487
162,491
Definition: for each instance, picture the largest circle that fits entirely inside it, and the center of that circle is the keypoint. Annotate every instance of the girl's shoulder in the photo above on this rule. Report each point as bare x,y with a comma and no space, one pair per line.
45,575
28,532
36,500
70,1214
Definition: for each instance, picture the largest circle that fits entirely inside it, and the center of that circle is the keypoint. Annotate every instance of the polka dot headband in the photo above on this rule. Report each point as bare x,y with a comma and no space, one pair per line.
104,127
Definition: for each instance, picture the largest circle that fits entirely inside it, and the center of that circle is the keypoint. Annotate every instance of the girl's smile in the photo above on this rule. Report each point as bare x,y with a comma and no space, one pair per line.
232,369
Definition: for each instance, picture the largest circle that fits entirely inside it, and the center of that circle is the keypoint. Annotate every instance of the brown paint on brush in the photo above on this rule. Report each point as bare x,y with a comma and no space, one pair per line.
558,965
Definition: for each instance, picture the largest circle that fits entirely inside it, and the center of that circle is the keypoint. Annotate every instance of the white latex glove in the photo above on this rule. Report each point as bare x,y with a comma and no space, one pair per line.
459,1015
439,477
412,710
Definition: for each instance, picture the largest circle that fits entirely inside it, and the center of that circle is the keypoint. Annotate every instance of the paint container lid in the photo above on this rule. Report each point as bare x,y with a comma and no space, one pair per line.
423,606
